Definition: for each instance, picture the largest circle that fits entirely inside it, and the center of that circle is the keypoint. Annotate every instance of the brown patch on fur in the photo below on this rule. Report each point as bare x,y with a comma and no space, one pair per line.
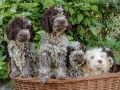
85,68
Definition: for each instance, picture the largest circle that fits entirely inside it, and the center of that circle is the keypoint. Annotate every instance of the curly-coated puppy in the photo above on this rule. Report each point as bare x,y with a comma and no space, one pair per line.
98,61
75,58
111,67
53,44
20,36
105,54
115,68
109,58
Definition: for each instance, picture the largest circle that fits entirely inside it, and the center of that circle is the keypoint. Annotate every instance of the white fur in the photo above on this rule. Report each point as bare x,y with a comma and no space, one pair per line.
93,57
76,45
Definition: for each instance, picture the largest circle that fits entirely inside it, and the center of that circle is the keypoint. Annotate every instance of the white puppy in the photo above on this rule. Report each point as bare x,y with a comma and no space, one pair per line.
98,61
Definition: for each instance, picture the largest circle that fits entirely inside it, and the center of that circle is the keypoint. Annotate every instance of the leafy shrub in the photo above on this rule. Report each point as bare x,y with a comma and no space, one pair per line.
95,22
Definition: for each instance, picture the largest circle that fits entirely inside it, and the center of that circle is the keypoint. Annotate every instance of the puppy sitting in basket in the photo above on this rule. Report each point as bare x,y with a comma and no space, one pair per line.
20,36
53,44
98,61
75,58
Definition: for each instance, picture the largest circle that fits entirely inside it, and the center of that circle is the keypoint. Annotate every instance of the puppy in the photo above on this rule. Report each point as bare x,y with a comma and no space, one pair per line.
52,54
109,58
20,36
75,58
115,68
97,61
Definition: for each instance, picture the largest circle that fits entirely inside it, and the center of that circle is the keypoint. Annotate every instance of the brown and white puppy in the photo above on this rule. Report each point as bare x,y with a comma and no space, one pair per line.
20,36
75,58
109,58
52,54
97,61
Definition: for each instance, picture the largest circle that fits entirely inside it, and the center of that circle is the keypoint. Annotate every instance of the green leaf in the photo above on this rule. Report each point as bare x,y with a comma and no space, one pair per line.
28,5
70,38
24,14
93,30
61,2
85,6
94,7
71,11
47,3
4,5
73,20
2,58
1,20
2,63
98,14
87,21
70,3
13,8
93,1
40,32
86,13
80,17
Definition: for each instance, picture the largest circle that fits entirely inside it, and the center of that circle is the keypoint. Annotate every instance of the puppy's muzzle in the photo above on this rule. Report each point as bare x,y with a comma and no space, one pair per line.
23,35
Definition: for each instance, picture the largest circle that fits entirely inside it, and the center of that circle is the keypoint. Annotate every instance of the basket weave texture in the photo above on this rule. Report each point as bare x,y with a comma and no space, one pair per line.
100,82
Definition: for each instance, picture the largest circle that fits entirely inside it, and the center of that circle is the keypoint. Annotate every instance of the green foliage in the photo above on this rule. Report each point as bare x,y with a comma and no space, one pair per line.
95,22
3,65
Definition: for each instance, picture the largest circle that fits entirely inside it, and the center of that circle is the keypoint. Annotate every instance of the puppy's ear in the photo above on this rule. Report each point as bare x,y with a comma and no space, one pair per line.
69,27
32,33
103,49
110,53
83,47
13,28
9,33
45,23
70,48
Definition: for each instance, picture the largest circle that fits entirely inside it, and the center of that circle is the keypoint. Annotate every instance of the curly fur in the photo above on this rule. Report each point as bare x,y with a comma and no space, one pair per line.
75,58
115,68
109,58
98,61
20,36
53,44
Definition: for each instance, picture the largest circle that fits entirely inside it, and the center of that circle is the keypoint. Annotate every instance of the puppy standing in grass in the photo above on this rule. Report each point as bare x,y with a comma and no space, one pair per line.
20,36
53,44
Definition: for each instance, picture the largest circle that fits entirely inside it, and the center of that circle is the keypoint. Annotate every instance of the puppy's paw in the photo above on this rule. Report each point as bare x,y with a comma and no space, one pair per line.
61,76
24,75
14,74
44,79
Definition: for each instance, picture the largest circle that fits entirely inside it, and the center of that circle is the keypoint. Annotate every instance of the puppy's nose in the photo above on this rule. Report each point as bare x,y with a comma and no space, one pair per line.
81,55
100,61
61,22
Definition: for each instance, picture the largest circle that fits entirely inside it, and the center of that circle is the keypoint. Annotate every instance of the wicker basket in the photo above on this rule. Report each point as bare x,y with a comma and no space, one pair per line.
100,82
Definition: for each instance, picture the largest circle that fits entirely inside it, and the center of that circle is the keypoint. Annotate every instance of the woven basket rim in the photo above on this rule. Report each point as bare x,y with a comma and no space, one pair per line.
74,79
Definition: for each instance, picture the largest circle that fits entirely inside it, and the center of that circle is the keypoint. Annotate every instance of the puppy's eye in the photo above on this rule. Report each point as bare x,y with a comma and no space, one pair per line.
109,60
92,57
53,16
75,60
